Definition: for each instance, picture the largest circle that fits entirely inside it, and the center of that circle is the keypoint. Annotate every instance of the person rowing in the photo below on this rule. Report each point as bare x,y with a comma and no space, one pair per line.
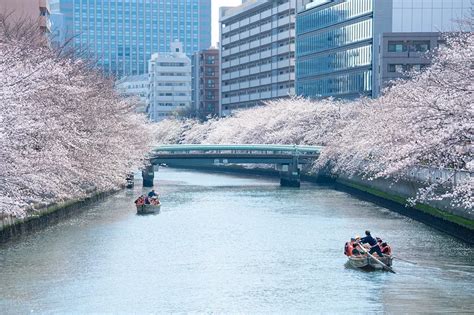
374,245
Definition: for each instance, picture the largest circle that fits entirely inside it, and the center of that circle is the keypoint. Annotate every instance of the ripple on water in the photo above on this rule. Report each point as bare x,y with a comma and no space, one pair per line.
226,243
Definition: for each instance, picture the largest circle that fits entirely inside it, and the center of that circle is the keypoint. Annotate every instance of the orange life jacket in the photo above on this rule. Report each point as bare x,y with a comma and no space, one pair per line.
348,249
387,250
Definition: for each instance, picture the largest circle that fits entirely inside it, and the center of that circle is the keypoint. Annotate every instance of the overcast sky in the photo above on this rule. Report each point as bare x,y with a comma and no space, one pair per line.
216,4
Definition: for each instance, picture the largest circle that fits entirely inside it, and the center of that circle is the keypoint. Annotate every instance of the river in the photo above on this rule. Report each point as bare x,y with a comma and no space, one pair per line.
232,244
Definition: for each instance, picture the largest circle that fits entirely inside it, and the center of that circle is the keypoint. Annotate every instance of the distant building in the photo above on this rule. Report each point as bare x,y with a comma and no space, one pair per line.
341,44
257,52
206,82
169,83
401,53
135,86
32,10
122,34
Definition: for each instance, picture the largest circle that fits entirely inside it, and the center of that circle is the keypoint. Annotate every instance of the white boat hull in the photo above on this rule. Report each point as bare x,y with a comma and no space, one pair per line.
368,262
148,209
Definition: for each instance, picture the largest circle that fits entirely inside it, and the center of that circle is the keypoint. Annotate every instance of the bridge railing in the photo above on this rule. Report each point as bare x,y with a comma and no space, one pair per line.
239,148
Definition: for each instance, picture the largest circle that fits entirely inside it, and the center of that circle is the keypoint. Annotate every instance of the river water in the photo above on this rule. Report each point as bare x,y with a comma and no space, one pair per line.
227,244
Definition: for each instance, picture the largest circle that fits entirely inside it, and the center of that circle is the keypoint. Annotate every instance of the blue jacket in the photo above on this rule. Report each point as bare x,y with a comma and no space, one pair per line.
369,239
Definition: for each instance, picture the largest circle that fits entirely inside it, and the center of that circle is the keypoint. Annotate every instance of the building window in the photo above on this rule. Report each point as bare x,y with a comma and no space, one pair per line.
421,45
397,46
395,68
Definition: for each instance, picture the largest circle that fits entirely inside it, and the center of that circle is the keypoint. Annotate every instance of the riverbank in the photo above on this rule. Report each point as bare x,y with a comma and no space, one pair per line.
12,228
380,192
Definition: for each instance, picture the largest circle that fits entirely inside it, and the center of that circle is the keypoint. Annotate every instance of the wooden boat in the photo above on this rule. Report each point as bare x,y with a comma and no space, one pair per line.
366,262
148,209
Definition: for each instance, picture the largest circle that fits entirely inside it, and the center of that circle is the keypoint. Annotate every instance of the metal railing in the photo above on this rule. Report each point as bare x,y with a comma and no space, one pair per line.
238,149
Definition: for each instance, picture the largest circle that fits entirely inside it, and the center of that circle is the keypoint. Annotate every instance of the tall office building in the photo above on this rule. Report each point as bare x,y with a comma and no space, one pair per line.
169,80
343,46
257,52
123,34
206,82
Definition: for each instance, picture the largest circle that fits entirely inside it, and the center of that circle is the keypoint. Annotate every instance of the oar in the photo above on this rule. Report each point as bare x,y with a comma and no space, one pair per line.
410,262
378,261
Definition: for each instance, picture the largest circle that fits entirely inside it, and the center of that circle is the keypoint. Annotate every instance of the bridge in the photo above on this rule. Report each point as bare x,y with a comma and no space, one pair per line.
287,158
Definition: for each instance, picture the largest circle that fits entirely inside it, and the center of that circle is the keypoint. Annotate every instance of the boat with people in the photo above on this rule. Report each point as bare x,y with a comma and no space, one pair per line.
129,180
148,204
369,253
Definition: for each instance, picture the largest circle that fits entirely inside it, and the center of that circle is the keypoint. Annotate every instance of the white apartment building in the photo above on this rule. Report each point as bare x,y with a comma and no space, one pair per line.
135,86
257,53
169,77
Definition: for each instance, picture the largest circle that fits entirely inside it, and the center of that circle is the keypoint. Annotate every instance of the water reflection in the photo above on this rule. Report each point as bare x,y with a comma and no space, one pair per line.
226,243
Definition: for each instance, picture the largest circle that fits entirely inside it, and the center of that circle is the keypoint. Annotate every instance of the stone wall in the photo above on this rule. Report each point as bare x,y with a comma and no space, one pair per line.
12,227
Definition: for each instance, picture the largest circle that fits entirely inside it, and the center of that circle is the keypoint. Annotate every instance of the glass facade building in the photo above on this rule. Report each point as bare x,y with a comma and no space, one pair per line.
341,46
334,49
123,34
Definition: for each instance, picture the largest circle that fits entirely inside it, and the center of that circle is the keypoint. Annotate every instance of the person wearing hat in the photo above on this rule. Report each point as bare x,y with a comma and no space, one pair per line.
374,245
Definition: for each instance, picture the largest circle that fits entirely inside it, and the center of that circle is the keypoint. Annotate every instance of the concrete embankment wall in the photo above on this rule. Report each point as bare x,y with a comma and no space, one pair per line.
455,221
441,215
12,228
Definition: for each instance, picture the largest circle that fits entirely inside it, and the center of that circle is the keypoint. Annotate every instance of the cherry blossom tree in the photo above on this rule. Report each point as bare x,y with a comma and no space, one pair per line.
64,131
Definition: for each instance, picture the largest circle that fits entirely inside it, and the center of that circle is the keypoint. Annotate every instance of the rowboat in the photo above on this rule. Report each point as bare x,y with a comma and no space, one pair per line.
148,209
367,262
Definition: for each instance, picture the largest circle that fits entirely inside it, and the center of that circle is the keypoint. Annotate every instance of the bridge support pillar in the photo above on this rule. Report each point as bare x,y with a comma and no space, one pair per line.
148,174
290,174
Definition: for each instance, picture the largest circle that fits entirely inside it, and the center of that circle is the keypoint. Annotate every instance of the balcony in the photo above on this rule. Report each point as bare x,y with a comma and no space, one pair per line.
265,14
226,53
226,41
225,100
266,27
234,87
254,18
244,72
265,95
226,76
244,98
234,99
266,54
234,38
226,88
265,81
244,59
265,68
283,8
244,85
254,31
226,64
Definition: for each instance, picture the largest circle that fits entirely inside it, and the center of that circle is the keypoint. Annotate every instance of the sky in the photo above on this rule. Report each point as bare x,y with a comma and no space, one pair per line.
216,4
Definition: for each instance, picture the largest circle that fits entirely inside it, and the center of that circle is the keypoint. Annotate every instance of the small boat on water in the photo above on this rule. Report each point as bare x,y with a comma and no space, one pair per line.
369,253
148,209
148,204
130,182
